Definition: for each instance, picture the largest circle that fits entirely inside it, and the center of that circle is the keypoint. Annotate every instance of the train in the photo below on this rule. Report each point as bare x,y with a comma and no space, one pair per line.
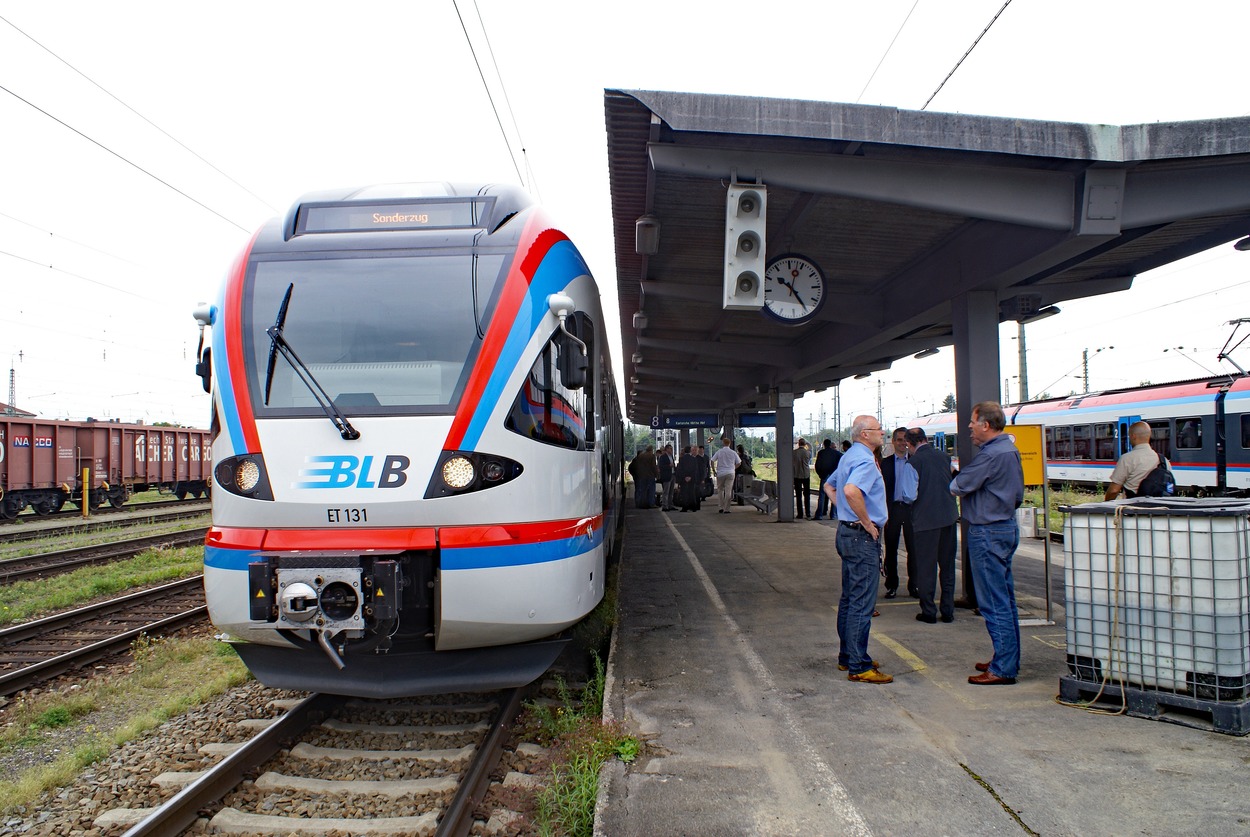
1202,426
42,463
418,439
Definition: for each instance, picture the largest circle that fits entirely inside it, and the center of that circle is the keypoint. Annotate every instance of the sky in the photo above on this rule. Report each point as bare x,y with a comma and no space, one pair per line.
142,143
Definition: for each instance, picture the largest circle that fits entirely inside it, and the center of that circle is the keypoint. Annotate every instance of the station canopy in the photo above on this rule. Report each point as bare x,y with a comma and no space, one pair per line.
903,211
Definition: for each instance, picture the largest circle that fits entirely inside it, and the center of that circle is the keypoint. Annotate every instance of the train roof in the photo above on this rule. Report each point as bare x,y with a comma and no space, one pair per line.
1127,395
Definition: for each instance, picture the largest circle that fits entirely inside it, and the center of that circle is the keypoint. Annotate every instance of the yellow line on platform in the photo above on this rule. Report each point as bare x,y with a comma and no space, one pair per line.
906,656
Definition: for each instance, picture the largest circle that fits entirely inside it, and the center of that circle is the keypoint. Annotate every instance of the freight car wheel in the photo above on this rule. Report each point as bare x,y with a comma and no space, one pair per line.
43,507
9,509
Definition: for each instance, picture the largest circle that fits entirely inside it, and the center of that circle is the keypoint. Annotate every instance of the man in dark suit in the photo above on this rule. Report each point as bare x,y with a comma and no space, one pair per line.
900,490
933,520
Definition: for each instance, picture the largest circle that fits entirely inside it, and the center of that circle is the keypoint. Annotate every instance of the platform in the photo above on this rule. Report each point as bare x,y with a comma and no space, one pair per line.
725,663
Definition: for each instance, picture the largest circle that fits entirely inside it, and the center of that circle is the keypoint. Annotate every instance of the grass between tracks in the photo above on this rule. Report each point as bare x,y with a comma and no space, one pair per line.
28,600
48,736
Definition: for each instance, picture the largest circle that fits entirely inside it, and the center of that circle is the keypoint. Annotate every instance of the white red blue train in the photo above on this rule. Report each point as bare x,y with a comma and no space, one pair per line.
417,441
1202,426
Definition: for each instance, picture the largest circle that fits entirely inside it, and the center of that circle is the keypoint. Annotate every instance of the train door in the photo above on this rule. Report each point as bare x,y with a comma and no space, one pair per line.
1123,445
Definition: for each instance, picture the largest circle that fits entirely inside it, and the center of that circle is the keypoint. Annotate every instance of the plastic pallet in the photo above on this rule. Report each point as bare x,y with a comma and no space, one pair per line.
1223,717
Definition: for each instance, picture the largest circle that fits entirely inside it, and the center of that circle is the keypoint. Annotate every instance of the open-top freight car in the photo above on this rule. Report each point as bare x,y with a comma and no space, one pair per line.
42,463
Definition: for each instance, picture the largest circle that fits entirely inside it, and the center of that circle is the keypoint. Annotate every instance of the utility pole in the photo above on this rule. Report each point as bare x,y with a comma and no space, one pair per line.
837,408
1024,367
1085,368
11,407
880,419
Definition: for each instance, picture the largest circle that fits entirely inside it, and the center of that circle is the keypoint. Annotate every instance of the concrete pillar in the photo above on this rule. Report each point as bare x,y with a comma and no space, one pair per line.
977,376
785,457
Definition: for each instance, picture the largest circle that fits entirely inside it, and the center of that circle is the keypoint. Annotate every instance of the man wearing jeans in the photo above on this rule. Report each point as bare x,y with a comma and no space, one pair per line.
858,495
992,488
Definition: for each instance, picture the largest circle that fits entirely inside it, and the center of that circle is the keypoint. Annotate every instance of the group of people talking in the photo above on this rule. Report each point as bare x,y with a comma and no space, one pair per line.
912,492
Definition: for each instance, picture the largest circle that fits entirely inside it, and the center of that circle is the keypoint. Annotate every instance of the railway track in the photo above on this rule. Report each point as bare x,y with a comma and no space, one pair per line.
31,516
54,563
75,525
339,765
34,652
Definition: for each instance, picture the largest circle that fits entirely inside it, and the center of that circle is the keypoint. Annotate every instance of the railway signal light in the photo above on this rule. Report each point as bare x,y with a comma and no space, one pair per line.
746,213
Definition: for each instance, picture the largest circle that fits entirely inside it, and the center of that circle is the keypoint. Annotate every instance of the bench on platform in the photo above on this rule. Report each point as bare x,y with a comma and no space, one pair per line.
755,492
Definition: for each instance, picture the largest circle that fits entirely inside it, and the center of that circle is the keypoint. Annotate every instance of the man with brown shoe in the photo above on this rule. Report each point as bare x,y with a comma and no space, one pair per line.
858,494
991,488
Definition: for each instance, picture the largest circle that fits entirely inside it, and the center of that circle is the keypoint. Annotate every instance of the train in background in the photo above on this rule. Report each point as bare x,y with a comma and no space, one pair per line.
418,441
42,463
1201,426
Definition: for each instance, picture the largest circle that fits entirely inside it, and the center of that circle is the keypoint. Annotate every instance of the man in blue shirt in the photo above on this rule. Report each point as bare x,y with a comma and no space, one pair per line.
858,494
992,488
900,492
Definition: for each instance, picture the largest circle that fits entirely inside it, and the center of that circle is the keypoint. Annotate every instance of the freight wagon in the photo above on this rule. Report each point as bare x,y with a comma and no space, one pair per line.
42,463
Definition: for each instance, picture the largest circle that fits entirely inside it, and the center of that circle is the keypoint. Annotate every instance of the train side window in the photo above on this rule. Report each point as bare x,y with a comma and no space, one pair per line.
545,409
1245,431
1050,443
1104,442
1063,443
1188,433
1081,437
1161,437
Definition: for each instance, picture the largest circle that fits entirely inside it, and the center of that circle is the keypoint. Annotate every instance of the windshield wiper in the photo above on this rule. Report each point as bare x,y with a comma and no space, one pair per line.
278,345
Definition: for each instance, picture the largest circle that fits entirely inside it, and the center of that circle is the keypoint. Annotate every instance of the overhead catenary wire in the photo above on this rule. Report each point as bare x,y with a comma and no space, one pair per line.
529,170
966,54
78,276
123,158
73,241
112,96
491,98
887,51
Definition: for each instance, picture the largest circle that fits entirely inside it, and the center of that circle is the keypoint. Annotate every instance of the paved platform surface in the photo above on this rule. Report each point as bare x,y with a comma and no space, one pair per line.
725,662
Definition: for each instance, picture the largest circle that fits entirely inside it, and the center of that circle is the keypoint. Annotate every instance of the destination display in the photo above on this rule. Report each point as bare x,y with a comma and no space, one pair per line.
411,215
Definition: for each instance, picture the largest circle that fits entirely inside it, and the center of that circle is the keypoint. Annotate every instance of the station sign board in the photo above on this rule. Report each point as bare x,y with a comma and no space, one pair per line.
757,420
686,420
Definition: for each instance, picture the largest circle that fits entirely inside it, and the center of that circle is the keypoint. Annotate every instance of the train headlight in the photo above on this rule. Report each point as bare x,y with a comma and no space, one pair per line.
245,476
463,472
458,473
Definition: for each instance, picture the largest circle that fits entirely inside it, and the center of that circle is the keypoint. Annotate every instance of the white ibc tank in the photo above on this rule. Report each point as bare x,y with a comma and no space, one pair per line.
1158,594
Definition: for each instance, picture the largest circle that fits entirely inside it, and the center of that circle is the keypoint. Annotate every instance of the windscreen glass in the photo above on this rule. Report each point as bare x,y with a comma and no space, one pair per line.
381,335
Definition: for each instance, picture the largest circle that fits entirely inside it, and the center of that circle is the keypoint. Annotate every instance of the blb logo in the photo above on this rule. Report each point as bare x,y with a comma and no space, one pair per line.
354,472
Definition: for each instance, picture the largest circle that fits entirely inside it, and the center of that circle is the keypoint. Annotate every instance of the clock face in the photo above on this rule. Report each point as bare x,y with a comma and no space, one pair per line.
794,288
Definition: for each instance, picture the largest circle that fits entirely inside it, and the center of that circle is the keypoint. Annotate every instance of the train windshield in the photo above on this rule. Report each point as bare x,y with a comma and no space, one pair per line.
380,334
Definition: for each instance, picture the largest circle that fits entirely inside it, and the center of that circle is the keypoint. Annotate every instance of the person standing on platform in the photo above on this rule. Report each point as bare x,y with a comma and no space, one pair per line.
858,495
725,463
900,489
665,464
826,463
706,487
992,488
645,473
802,481
933,516
687,480
1133,466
